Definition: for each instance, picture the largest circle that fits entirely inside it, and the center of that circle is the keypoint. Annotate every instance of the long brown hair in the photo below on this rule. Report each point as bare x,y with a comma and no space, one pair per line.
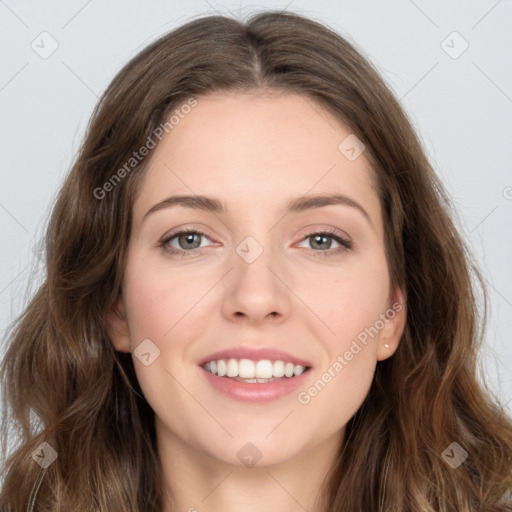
61,369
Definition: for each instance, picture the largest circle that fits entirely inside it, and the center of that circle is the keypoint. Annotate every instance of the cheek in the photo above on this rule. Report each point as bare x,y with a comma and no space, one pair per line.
167,308
350,307
159,299
337,393
353,301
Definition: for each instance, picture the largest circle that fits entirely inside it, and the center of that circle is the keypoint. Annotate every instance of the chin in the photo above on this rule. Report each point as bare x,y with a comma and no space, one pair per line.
256,451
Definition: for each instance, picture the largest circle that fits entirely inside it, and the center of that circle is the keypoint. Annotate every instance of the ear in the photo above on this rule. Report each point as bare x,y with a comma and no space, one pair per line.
394,325
118,326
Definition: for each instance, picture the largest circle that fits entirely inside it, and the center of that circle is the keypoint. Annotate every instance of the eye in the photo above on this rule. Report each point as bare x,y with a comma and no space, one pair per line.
187,240
321,242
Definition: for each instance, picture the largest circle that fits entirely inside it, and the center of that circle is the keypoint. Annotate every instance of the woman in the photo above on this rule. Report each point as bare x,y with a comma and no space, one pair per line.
262,366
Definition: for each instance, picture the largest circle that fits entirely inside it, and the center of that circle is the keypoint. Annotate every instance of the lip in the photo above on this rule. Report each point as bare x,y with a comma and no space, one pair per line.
256,354
255,392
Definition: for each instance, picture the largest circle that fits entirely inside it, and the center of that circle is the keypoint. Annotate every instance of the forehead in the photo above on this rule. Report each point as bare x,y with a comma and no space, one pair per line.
256,148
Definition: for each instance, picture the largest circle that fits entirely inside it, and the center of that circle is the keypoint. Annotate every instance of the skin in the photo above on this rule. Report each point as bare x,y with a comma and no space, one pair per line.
254,152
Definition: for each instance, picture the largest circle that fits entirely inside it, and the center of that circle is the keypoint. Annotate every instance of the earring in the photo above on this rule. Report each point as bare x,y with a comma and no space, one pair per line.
386,345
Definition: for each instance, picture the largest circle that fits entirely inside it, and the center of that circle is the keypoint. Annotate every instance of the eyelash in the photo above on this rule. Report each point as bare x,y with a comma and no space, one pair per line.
345,244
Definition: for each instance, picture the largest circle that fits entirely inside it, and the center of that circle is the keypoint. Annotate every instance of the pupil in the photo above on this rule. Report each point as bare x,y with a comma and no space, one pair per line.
189,237
319,238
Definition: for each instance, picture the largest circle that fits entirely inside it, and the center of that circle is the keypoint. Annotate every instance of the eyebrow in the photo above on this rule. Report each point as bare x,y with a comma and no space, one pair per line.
299,204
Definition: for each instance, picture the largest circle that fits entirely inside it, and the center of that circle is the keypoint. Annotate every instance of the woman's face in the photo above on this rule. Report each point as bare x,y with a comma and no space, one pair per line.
257,275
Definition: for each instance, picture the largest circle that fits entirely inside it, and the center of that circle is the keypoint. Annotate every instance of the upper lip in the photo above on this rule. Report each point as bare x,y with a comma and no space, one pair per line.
255,354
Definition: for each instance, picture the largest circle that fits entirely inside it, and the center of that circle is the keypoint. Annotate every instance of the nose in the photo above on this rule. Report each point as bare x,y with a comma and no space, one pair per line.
255,290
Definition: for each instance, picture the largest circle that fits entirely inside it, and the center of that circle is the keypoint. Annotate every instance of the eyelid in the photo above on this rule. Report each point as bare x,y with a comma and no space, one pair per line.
185,229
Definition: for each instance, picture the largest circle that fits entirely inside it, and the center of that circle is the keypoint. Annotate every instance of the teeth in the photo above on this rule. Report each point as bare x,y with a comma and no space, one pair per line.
278,369
221,368
264,369
232,368
246,370
254,381
297,370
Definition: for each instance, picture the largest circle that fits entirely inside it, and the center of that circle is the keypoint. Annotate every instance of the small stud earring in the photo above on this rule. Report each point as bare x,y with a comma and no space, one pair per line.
386,345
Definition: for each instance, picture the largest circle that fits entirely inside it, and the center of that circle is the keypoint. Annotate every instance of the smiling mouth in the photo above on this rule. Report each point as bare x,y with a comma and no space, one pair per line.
254,382
254,372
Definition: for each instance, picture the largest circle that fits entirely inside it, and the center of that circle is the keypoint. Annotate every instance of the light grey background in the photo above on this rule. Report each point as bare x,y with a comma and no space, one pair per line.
460,104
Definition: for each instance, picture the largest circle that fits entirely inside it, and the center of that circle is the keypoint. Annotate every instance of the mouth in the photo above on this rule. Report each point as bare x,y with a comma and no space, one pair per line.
248,370
248,380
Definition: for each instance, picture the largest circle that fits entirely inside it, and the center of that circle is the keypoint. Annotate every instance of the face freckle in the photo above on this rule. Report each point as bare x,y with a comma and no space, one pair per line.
257,273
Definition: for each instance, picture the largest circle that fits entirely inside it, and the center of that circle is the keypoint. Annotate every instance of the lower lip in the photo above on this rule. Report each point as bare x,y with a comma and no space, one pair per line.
255,392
